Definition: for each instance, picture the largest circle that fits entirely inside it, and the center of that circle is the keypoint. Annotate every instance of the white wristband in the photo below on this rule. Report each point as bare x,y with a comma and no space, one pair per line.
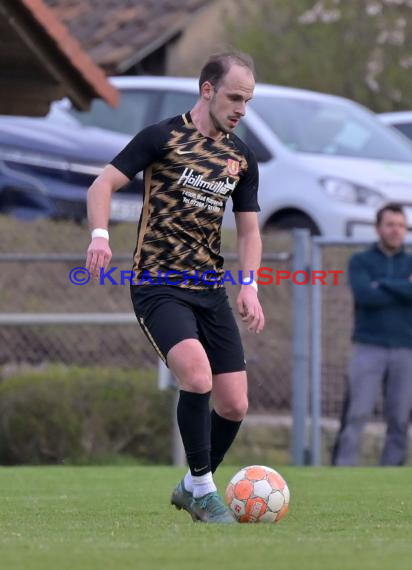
254,285
100,232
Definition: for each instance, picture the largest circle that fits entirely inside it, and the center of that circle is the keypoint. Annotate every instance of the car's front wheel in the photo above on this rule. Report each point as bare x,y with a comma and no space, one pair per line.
290,221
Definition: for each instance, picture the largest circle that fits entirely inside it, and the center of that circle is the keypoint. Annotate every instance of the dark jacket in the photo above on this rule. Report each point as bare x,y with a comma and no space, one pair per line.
383,297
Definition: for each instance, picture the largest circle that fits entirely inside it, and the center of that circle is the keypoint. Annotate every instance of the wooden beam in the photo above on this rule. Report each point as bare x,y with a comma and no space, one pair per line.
17,106
30,90
42,47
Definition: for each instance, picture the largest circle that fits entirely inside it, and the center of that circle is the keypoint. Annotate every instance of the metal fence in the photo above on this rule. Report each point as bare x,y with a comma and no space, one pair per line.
298,366
46,318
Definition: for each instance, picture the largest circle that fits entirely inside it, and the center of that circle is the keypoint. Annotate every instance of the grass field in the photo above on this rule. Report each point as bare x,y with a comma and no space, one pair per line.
120,518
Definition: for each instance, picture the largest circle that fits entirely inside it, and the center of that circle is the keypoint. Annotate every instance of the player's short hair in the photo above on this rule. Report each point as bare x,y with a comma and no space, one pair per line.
392,207
219,64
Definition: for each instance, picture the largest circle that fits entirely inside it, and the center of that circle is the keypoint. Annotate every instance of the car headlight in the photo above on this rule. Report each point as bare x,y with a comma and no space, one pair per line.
350,192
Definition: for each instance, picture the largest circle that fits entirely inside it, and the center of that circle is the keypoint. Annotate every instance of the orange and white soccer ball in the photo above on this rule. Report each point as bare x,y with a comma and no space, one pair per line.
258,494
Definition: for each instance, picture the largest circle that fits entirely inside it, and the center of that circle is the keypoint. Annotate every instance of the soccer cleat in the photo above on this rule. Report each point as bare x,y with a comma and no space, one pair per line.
211,509
182,499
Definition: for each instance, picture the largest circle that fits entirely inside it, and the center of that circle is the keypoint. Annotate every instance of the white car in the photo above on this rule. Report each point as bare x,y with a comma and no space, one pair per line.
326,163
401,120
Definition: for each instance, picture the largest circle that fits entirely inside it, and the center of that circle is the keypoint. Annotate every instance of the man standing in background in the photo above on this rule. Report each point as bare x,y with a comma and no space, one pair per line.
381,282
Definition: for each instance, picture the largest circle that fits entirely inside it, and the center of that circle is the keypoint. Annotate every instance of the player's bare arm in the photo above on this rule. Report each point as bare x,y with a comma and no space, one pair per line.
98,210
250,254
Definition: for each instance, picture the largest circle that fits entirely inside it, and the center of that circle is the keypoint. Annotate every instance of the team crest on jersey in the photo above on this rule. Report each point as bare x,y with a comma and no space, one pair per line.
233,166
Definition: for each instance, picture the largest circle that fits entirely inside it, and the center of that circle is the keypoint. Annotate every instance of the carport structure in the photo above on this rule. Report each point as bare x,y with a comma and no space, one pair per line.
41,62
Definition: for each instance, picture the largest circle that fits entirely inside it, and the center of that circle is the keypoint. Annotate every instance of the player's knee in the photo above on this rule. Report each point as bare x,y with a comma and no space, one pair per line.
235,410
198,381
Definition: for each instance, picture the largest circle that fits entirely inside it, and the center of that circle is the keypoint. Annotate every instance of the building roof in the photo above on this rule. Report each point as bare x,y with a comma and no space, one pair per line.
41,62
118,34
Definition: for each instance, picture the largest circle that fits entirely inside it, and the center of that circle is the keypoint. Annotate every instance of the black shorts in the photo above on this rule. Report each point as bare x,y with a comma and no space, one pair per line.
169,314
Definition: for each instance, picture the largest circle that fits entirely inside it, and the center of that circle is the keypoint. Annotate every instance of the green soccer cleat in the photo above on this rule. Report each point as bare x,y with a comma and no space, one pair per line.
211,509
182,499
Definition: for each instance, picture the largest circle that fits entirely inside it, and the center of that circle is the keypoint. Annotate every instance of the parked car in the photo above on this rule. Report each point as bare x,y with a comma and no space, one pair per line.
401,120
326,163
47,165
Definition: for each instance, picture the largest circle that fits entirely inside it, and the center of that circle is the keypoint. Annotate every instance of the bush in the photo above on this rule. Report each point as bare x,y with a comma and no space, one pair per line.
81,415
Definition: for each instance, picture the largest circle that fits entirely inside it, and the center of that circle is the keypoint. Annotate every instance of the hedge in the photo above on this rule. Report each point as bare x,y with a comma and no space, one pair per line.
82,415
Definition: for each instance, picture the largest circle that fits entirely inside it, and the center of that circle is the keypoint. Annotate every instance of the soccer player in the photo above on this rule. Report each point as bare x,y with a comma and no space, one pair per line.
192,164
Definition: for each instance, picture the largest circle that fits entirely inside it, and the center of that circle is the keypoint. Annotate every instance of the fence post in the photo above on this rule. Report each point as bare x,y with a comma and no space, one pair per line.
300,365
316,359
166,381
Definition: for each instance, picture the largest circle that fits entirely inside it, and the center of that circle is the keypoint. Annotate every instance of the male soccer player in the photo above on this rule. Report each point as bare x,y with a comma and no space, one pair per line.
192,164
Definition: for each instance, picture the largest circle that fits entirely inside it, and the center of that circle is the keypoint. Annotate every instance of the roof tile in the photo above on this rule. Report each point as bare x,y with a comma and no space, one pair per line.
71,50
112,31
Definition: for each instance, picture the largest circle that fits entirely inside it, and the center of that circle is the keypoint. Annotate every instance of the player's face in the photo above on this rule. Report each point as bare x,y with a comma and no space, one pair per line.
392,230
228,102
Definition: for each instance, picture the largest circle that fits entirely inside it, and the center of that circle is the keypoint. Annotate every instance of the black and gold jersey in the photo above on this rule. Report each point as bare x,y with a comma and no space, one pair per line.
188,179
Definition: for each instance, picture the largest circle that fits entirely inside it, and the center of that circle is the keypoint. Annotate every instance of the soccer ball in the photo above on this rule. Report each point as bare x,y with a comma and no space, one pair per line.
257,494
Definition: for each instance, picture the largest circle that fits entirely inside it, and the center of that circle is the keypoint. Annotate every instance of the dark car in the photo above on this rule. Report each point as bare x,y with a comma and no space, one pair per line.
47,165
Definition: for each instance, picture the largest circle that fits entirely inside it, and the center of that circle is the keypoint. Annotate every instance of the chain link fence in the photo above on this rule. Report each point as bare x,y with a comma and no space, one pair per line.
336,325
95,324
35,280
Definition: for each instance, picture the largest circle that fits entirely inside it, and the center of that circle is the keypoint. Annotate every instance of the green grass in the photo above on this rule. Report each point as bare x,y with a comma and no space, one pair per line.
120,518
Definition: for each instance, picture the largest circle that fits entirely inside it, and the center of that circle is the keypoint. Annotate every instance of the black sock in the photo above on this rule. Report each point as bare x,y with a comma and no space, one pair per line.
223,432
193,418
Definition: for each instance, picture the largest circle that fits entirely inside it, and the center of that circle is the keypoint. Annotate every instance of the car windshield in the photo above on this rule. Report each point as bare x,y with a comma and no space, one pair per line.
330,128
129,117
